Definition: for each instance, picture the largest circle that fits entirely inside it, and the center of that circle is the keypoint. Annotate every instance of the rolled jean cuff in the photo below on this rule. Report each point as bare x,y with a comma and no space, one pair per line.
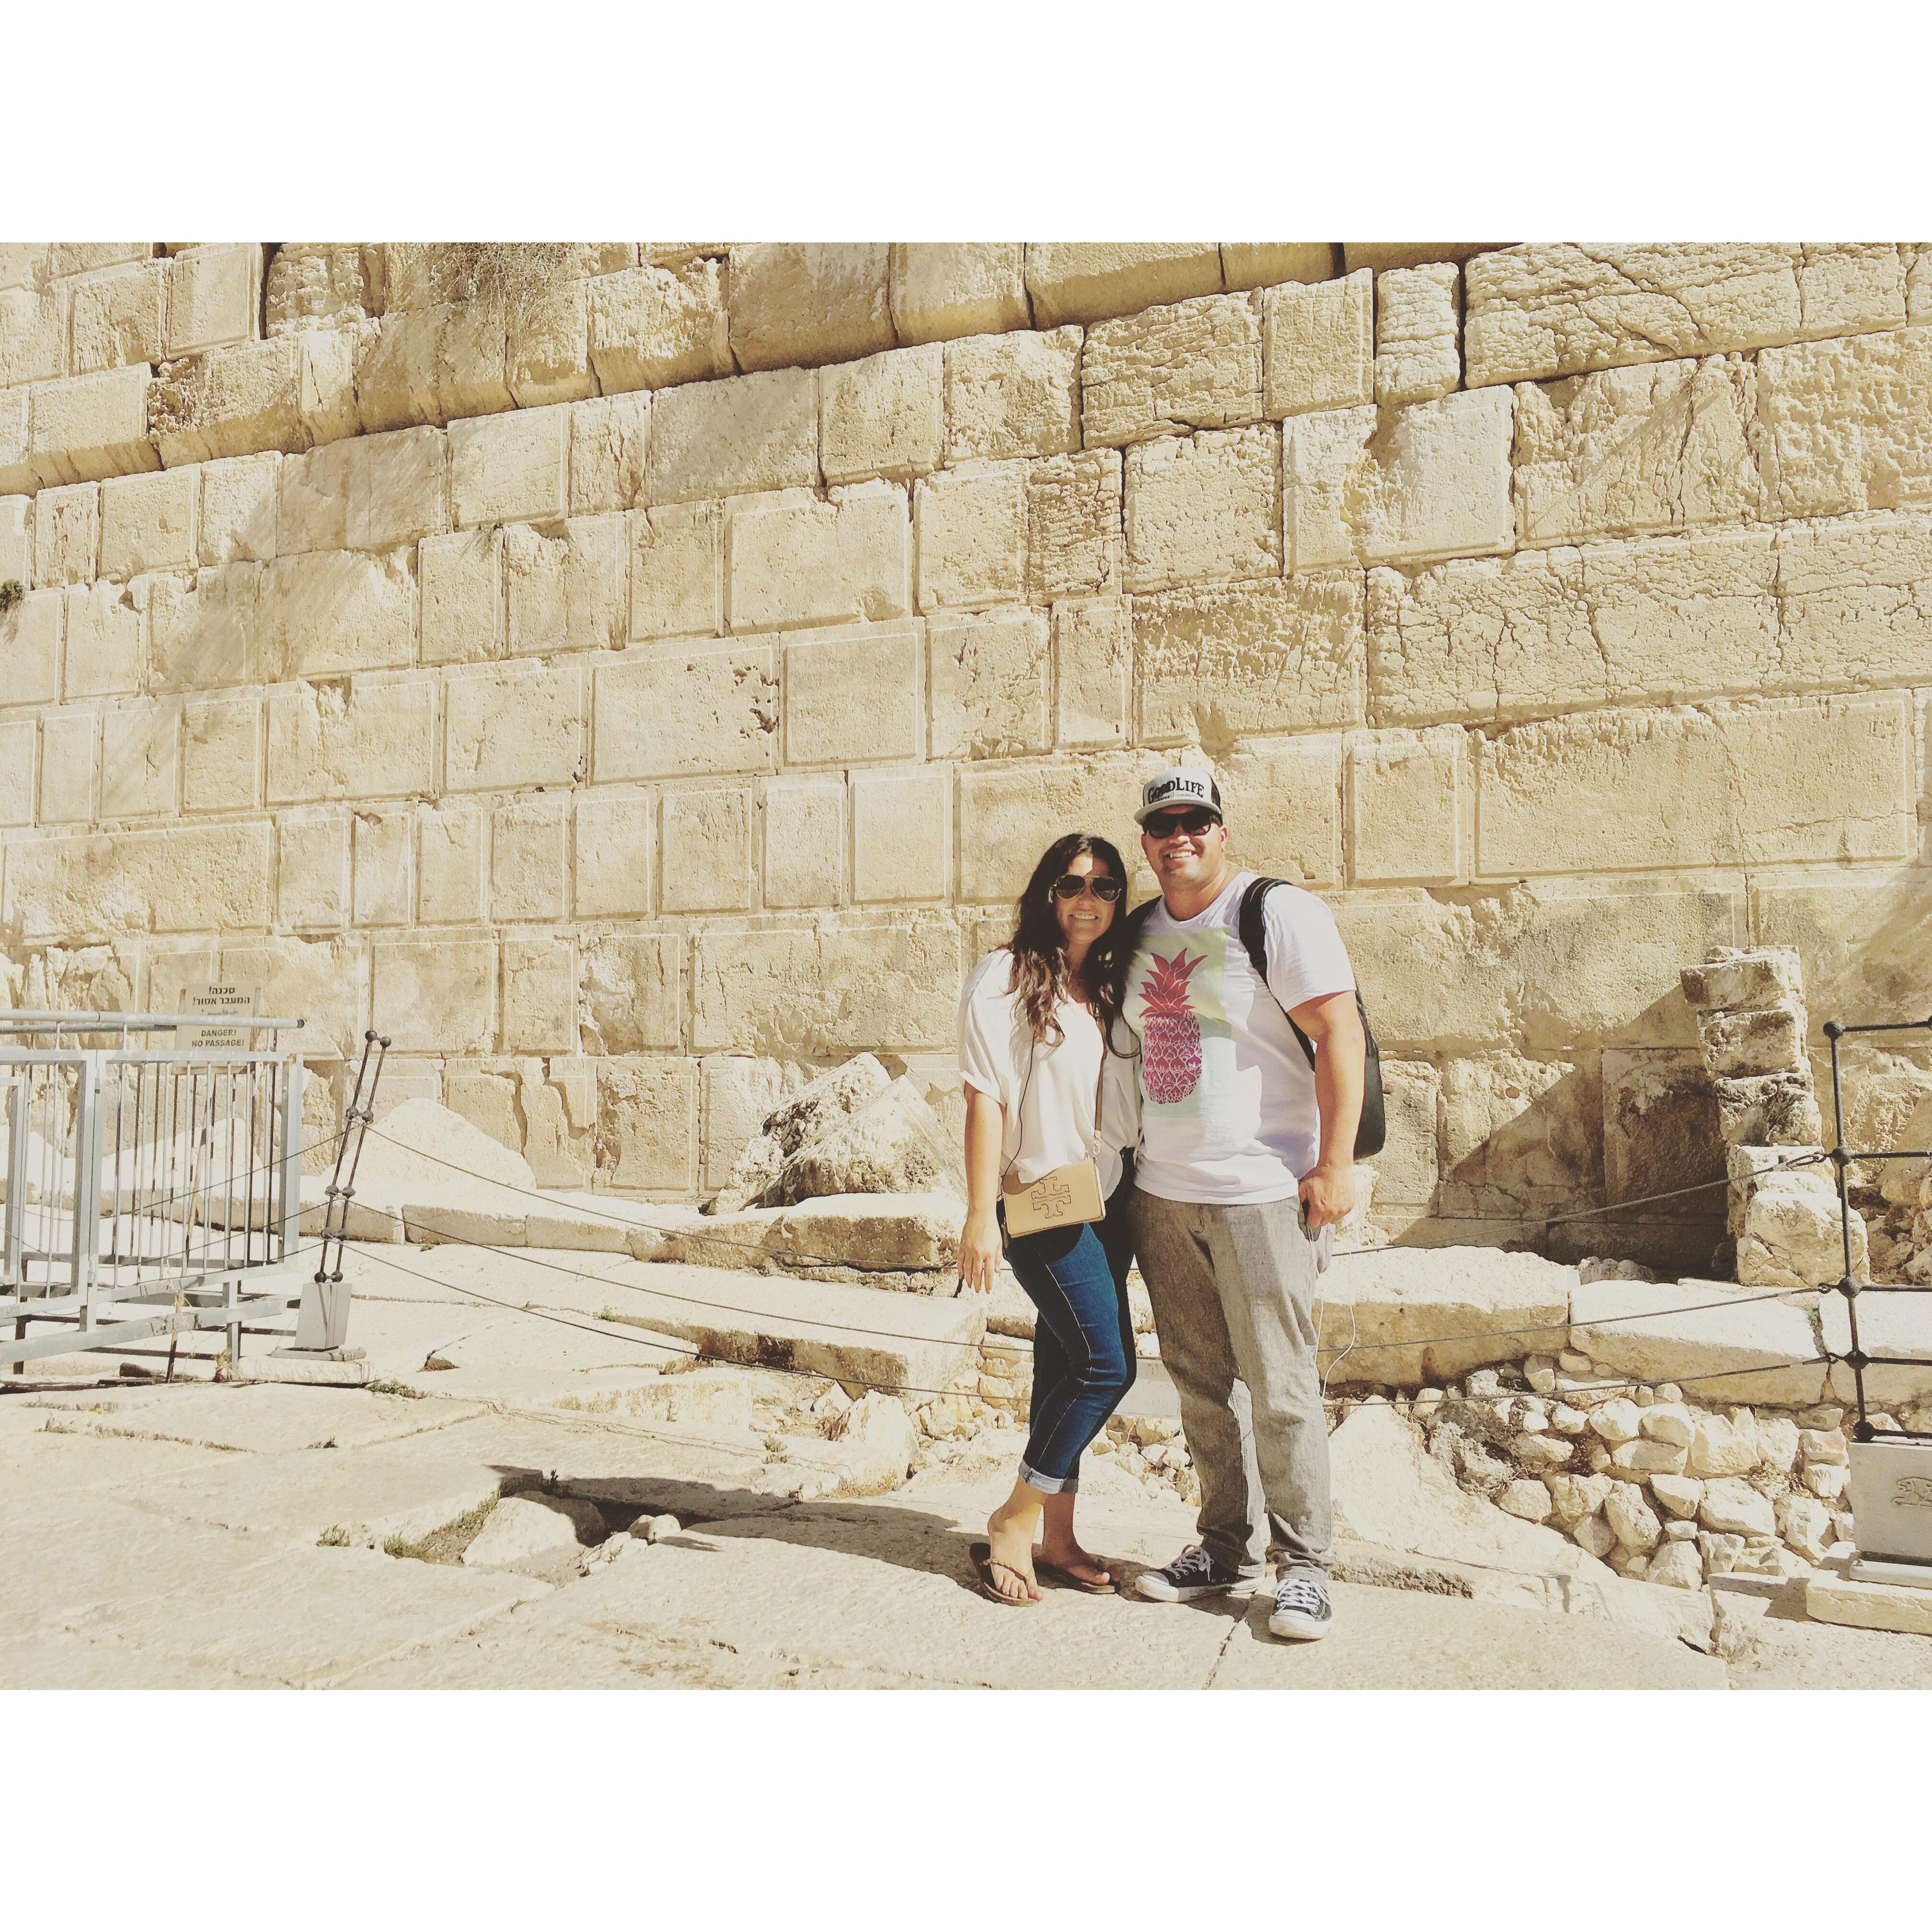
1049,1486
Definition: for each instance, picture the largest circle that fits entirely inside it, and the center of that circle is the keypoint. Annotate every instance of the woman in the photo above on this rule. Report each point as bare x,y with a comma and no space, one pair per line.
1047,1085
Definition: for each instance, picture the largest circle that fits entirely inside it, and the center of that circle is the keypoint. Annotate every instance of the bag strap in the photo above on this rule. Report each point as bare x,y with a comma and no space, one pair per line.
1099,1088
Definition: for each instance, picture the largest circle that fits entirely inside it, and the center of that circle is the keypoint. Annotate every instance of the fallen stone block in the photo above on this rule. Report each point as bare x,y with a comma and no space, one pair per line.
1724,1347
1732,980
801,1120
592,1222
1792,1237
911,1238
1391,1301
536,1535
422,1144
1830,1598
894,1144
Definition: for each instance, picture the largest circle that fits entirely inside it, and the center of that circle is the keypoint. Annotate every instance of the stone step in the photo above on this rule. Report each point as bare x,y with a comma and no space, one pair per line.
1728,1349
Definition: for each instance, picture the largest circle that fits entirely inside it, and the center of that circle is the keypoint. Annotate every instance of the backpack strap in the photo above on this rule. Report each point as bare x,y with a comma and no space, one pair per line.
1252,925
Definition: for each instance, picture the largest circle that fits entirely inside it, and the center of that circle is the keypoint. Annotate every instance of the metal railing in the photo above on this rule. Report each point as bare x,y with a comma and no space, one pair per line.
150,1189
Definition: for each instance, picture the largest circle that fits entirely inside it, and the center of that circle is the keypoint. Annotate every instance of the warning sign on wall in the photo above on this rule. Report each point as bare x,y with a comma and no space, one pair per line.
216,1009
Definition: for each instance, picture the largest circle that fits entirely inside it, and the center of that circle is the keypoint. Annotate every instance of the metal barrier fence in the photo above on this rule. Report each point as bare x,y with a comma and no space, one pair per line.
150,1189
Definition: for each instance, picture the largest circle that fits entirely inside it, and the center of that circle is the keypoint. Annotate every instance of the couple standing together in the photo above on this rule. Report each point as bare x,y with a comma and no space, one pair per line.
1219,1107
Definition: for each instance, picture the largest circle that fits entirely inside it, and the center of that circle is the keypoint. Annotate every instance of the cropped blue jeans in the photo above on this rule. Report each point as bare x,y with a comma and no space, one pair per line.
1083,1340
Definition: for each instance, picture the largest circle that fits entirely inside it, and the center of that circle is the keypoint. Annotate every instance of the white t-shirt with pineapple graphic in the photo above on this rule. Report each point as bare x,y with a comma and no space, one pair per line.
1228,1105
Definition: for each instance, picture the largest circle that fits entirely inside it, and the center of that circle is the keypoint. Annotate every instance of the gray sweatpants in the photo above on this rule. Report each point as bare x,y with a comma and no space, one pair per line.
1233,1290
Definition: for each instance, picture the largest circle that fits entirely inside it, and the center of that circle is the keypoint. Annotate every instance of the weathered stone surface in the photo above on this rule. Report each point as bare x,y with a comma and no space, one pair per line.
893,1144
33,335
1093,693
1087,281
398,488
1214,663
972,536
567,589
1632,1520
312,878
90,427
630,992
1833,1599
516,465
1559,308
610,453
1001,810
1767,1040
461,580
66,536
1847,425
669,711
989,680
1733,1508
1527,1498
941,290
1205,506
239,498
1255,264
1771,1110
852,696
380,886
1661,1134
1402,1297
30,634
520,726
214,296
220,758
1189,365
147,523
1432,481
647,1125
372,739
1073,525
804,842
831,986
320,284
334,611
1638,781
650,327
677,572
882,416
1418,334
1679,1495
180,879
708,865
1407,793
799,303
1285,798
1011,396
901,836
615,838
1517,1136
289,394
312,498
747,433
1759,1351
433,364
1792,1237
528,876
1733,978
793,559
1319,345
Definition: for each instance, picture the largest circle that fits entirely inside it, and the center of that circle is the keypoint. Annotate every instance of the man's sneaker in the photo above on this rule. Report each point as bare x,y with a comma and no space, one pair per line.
1301,1606
1193,1574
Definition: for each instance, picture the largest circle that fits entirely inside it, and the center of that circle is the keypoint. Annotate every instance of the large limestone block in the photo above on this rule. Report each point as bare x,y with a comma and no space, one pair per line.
708,865
549,356
880,1232
319,284
17,539
1215,663
630,992
141,751
461,578
66,536
1093,693
520,726
1418,334
647,1125
829,987
1380,255
1792,1237
1889,1325
1428,481
1541,967
380,883
288,394
433,365
1255,265
1408,1169
1073,506
312,893
1287,801
1660,1134
853,696
510,466
333,611
1003,811
567,589
793,559
18,474
1768,1110
1663,447
1187,365
527,860
436,994
942,289
105,648
69,757
422,1146
30,634
901,836
312,498
398,488
972,536
147,523
800,303
33,335
1518,1138
1546,631
884,415
744,434
668,711
182,879
1728,1349
1824,780
539,997
739,1091
1319,345
894,1144
651,328
1899,1180
1088,281
1559,308
989,680
91,426
214,296
677,572
823,1103
16,772
120,317
370,739
239,499
804,842
1203,507
610,453
615,838
1845,425
1016,395
206,630
1854,601
1407,791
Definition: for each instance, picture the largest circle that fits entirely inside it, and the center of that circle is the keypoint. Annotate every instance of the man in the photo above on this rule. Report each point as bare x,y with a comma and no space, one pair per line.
1245,1162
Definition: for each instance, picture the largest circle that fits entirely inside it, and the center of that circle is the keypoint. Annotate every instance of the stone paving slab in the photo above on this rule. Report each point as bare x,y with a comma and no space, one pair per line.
1727,1332
260,1417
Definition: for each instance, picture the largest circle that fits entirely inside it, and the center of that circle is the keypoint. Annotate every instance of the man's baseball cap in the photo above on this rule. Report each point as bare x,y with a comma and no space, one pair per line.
1178,788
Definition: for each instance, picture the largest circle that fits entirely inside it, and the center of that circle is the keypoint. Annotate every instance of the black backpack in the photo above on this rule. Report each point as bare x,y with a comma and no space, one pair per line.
1371,1131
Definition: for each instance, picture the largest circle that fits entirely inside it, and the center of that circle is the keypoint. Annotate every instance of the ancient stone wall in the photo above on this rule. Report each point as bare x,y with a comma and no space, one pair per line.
630,674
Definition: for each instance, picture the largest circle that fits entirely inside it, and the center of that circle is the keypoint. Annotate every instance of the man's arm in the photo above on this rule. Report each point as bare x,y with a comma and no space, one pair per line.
1341,1055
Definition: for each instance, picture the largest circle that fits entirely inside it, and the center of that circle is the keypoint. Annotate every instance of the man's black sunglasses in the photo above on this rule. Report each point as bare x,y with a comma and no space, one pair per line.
1165,824
1069,885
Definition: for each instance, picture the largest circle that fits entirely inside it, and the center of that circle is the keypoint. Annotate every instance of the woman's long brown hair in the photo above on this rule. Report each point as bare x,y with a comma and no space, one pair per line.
1041,977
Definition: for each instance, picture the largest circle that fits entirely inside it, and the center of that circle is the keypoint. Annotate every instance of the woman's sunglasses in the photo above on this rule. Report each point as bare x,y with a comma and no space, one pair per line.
1165,824
1104,885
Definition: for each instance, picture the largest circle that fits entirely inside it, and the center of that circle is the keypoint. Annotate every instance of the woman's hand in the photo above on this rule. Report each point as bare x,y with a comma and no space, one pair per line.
979,1251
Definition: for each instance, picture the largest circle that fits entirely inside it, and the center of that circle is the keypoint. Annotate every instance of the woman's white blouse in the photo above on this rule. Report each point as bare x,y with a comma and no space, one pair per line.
1055,1123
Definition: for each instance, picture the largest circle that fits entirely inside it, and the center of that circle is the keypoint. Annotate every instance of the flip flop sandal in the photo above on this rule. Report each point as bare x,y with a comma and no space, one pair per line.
981,1554
1052,1572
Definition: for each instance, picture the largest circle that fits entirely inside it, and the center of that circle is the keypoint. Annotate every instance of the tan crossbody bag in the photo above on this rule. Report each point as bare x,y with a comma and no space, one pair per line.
1064,1196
